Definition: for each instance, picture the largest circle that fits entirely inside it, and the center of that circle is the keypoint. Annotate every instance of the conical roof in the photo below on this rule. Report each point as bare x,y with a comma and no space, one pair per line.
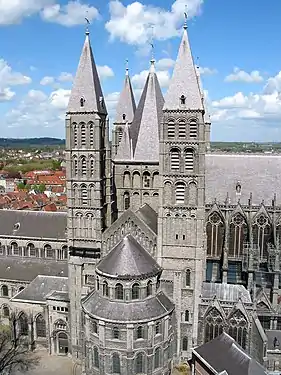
145,127
86,86
128,260
184,80
126,103
124,151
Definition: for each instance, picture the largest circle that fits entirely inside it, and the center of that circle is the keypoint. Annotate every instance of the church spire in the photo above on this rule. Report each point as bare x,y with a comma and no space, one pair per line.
124,151
183,91
86,94
126,106
145,126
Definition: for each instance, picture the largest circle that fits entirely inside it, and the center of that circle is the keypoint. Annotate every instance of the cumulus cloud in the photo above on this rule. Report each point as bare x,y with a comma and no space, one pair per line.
105,71
138,80
165,64
6,94
242,76
133,23
207,71
65,77
45,81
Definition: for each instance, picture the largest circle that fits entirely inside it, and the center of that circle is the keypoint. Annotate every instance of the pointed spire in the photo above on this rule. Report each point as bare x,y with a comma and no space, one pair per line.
86,94
145,127
184,83
126,106
206,115
124,151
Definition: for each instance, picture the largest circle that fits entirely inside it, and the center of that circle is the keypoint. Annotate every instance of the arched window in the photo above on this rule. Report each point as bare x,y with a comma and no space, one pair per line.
127,179
213,325
31,249
95,327
193,128
92,167
6,312
5,291
75,135
192,194
83,166
140,332
182,129
262,234
182,100
185,344
149,288
116,368
238,231
23,325
186,315
146,179
75,166
180,192
60,325
126,201
49,252
105,289
40,326
215,235
136,180
135,291
83,135
157,358
119,291
116,333
171,129
139,363
84,195
187,278
155,180
157,328
96,358
175,159
238,328
91,131
15,248
189,160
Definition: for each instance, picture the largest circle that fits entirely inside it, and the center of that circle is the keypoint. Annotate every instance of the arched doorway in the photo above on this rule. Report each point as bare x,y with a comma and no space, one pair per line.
62,343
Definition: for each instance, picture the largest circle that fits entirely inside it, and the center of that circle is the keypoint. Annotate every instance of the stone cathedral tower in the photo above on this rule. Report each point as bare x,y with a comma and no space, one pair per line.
181,222
88,173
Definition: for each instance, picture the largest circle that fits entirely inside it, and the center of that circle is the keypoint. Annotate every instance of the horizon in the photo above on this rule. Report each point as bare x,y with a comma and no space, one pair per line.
239,68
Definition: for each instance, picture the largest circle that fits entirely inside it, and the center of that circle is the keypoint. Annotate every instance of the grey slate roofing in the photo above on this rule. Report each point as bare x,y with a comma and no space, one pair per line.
148,309
40,287
86,84
224,354
128,260
144,130
124,151
27,269
126,103
226,292
58,296
33,224
184,81
148,216
257,174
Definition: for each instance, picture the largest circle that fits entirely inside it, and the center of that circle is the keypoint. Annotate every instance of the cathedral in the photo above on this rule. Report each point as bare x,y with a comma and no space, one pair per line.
164,244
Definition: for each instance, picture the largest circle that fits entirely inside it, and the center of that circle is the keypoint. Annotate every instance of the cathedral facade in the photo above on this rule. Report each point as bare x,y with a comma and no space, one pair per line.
164,245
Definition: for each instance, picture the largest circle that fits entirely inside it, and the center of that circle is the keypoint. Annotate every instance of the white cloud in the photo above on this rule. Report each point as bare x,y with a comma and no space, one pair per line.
6,94
207,71
45,81
8,77
138,80
59,98
242,76
65,77
165,64
105,72
132,24
70,14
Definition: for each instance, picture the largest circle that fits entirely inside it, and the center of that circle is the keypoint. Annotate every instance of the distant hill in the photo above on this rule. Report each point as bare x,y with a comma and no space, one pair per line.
30,142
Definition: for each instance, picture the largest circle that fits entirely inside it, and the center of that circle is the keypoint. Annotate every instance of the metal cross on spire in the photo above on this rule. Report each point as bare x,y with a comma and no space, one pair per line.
185,16
87,23
152,44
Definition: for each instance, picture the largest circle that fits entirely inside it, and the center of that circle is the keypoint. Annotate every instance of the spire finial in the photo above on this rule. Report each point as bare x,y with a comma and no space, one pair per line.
87,32
152,60
127,67
185,18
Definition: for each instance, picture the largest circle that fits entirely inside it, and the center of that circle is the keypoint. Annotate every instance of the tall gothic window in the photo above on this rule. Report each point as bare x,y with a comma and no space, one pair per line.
84,195
92,166
23,324
91,131
157,356
180,192
186,315
96,358
215,235
175,159
182,129
189,160
116,333
75,135
193,128
237,235
171,129
149,288
75,166
116,368
119,292
40,326
126,201
213,325
184,344
105,289
83,135
187,278
139,363
238,328
262,234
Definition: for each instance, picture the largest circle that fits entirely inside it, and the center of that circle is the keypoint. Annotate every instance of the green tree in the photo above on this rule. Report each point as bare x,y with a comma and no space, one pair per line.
41,188
56,165
21,186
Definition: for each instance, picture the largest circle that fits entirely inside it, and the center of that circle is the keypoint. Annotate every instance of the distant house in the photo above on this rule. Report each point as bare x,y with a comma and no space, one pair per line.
223,356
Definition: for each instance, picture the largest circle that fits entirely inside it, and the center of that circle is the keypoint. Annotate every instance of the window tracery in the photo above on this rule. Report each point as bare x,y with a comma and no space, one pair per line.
215,235
213,325
238,328
238,231
262,234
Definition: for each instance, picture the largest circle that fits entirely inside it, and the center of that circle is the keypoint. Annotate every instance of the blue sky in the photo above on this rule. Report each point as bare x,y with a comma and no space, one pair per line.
235,42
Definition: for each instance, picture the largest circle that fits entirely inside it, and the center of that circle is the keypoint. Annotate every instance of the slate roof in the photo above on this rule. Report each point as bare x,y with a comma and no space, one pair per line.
184,81
22,269
149,309
226,292
144,130
234,360
128,260
40,287
257,174
86,84
33,224
148,216
124,151
126,103
58,296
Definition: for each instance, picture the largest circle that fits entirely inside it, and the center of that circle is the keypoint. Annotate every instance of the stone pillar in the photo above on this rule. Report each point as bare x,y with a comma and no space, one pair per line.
177,302
102,333
166,327
150,335
130,337
225,249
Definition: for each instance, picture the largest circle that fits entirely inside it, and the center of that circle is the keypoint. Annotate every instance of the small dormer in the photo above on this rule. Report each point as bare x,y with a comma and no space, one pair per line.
182,100
82,102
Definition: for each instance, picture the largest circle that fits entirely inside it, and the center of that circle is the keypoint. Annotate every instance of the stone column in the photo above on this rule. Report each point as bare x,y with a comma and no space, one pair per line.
150,335
130,337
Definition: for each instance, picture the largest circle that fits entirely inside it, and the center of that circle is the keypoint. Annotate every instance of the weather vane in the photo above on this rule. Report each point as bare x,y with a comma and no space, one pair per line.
185,16
87,23
152,43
